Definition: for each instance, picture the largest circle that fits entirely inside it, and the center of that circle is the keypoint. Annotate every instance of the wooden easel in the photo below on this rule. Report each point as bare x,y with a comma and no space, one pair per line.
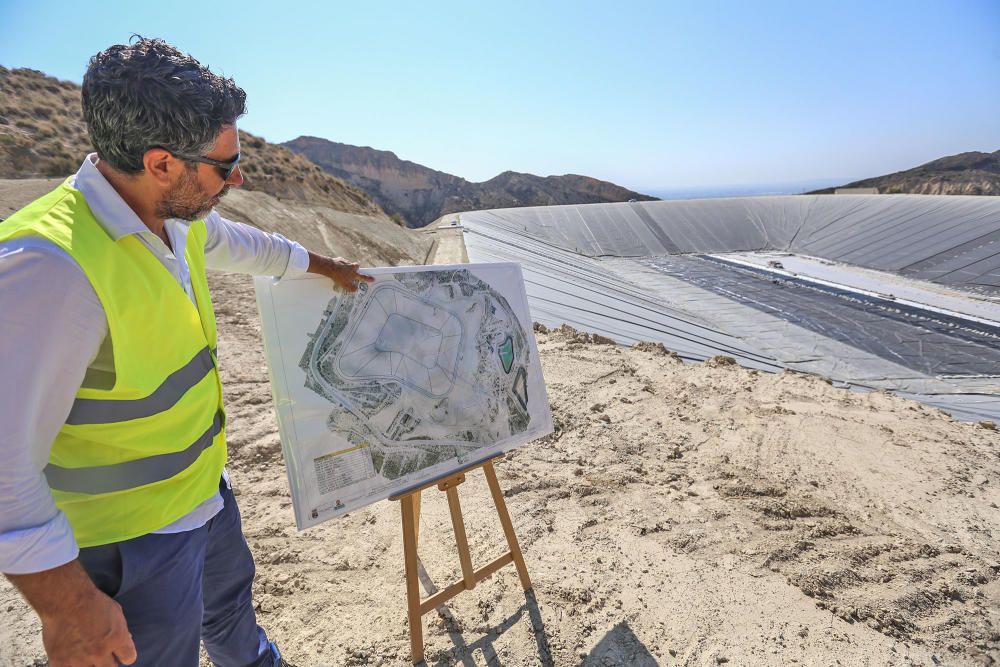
410,506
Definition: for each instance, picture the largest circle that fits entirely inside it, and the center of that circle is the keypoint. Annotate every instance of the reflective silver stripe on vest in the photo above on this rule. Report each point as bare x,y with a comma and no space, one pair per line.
131,474
103,411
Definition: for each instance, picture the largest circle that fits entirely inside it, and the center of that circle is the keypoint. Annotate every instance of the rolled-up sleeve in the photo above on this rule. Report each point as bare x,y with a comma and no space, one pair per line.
51,328
240,248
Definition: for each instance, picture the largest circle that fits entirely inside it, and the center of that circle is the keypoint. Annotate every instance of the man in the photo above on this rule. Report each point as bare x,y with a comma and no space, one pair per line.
117,521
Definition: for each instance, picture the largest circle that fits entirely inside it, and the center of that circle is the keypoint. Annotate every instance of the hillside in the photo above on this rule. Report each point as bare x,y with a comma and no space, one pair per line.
42,134
419,195
972,173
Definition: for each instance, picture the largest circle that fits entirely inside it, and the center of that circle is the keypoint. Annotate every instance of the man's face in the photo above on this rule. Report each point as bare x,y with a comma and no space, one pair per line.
201,186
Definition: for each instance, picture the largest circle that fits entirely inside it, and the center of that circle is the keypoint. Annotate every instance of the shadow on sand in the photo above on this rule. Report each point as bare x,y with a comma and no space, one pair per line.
463,653
620,647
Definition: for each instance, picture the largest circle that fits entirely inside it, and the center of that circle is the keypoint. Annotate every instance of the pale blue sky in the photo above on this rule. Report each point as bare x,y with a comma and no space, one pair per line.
657,96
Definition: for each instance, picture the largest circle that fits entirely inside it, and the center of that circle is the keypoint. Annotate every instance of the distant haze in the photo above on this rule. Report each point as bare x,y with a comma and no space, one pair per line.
743,190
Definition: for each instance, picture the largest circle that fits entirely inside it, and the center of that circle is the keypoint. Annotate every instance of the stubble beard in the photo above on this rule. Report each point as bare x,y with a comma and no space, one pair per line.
187,201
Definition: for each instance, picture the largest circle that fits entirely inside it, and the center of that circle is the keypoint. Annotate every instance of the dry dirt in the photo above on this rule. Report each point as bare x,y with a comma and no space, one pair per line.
679,515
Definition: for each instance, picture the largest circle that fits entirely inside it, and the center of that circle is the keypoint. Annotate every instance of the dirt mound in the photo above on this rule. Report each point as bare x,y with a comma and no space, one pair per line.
655,348
567,333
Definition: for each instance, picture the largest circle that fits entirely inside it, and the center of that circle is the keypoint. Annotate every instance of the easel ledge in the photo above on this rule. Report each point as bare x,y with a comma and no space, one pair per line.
410,507
442,478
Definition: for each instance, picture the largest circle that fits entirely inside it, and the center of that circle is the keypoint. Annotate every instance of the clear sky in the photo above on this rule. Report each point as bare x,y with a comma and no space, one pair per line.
656,96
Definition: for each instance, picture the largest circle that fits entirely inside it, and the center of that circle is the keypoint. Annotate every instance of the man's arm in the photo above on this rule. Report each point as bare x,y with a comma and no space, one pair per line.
238,247
345,274
51,327
80,624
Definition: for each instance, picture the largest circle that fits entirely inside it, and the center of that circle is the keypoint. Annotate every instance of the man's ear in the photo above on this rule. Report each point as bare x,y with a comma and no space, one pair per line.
161,165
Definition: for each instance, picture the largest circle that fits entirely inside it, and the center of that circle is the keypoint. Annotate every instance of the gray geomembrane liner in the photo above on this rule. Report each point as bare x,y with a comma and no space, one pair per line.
897,292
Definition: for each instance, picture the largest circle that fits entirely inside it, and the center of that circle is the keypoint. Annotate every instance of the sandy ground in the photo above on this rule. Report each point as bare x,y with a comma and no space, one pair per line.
691,515
680,515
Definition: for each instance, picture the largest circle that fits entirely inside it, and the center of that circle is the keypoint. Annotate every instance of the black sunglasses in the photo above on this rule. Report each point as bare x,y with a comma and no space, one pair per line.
226,169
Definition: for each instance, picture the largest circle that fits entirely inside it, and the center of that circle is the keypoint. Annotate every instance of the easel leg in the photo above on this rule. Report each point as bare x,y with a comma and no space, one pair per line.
508,527
468,574
416,516
410,506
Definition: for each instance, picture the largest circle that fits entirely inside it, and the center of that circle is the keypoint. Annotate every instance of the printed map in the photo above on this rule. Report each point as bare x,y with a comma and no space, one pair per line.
416,374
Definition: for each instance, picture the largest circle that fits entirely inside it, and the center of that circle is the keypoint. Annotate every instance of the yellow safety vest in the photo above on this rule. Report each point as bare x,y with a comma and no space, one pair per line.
134,458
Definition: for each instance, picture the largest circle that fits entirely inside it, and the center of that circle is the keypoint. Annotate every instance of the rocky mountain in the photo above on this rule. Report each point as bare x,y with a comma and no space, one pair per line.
972,173
42,134
419,195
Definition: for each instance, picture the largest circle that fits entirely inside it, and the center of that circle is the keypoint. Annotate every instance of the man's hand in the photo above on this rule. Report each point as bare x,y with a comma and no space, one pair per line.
81,626
343,273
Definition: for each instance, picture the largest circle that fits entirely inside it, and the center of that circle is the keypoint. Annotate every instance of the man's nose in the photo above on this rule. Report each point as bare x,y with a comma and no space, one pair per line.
235,178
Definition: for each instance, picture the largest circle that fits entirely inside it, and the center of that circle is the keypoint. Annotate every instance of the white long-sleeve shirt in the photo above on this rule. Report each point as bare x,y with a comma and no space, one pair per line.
54,339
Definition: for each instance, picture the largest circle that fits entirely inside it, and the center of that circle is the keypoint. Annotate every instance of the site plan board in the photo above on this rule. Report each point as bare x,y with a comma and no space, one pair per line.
423,372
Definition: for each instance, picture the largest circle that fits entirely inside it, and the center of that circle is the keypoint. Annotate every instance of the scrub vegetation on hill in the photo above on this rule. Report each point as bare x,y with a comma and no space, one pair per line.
971,173
42,134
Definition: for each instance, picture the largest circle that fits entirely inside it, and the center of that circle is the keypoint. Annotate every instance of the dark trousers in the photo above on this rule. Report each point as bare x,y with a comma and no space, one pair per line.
180,589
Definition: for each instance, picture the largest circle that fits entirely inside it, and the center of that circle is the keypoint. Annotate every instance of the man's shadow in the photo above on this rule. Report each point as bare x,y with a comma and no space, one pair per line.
620,646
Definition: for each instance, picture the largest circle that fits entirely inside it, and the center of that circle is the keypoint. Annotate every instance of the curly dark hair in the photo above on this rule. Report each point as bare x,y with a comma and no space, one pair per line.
148,94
